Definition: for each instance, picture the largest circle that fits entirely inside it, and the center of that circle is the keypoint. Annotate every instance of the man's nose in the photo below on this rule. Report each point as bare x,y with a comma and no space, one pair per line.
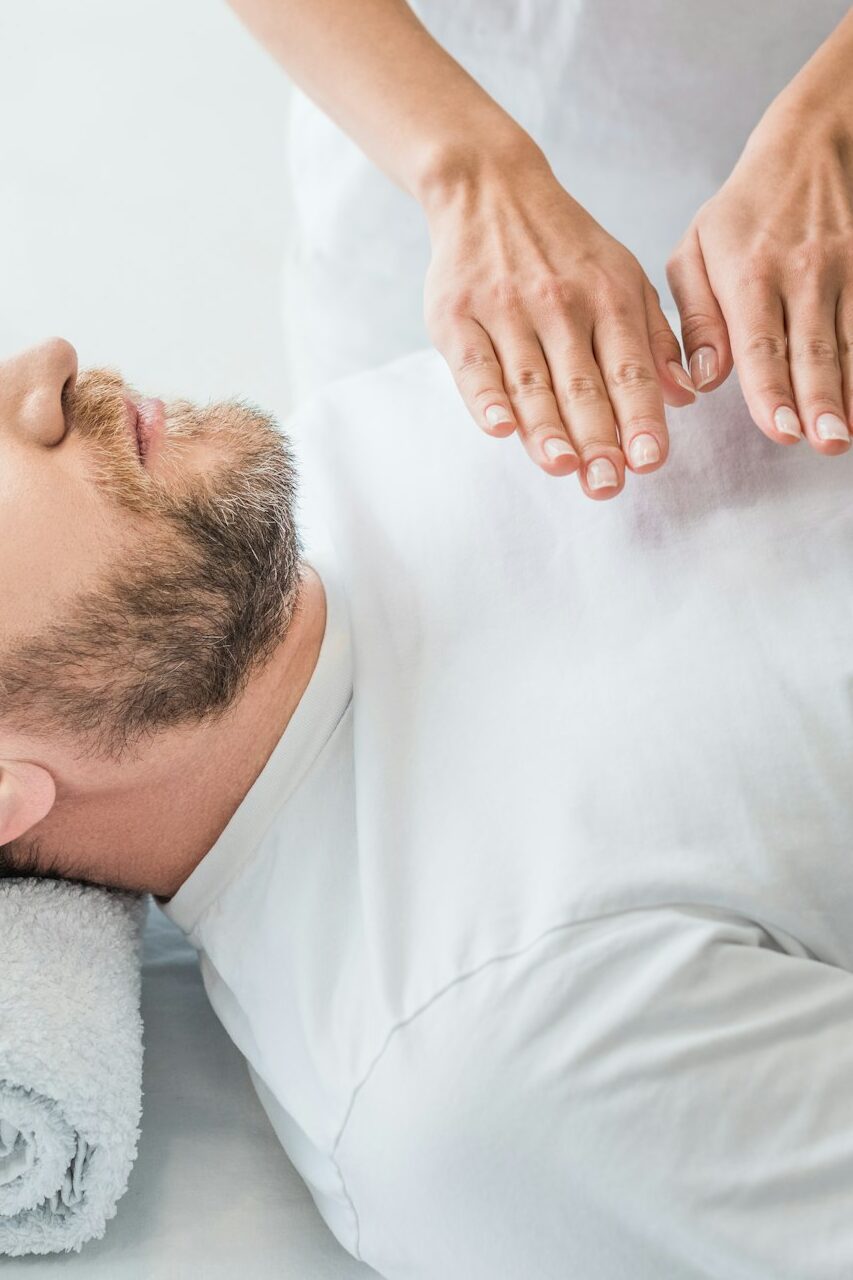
31,387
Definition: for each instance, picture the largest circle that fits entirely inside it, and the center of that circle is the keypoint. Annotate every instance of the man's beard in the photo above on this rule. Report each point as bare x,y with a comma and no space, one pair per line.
199,601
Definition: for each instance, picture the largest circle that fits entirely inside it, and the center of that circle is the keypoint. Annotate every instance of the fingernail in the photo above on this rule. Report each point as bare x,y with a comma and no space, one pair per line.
680,375
495,414
703,366
787,422
830,427
601,474
556,448
643,450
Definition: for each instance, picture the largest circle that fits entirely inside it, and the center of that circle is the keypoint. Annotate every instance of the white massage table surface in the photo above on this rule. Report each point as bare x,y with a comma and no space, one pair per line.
212,1193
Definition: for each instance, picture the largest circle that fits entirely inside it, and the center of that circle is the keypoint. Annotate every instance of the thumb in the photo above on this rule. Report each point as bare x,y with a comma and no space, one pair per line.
703,328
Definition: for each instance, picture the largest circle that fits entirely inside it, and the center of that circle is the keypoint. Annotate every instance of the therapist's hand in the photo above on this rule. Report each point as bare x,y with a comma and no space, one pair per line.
764,273
548,324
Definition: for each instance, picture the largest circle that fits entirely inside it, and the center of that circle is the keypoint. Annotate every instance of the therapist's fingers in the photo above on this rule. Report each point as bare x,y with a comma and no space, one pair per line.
469,353
528,379
844,336
816,368
530,409
585,406
757,333
703,328
620,342
676,385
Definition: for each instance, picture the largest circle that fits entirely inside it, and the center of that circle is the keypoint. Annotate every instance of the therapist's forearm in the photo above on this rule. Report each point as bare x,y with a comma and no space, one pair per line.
373,68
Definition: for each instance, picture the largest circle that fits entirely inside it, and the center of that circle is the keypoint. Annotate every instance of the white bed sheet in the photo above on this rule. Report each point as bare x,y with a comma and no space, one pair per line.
212,1193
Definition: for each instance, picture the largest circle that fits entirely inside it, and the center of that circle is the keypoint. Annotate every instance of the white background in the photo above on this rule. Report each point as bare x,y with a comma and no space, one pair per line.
143,201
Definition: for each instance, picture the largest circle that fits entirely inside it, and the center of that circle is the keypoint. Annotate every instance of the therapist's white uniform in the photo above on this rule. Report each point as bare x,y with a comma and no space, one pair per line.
536,929
641,106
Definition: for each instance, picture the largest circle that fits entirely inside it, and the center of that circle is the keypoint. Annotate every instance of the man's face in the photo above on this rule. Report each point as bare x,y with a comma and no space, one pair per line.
148,553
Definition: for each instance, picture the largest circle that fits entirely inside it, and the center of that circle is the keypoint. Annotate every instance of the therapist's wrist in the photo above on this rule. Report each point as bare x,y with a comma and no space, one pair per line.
820,96
457,169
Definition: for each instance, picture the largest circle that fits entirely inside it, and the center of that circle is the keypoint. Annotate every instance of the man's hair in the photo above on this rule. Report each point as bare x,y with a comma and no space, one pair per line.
28,863
25,865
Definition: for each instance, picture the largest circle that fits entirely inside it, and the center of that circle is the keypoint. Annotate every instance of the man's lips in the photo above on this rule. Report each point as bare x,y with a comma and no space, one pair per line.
145,423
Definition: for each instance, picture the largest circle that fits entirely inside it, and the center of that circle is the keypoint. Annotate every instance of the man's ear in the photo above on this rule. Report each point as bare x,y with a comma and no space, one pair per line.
27,793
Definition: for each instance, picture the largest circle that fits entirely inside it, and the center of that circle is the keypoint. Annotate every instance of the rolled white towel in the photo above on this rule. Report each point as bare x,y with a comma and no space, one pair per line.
70,1060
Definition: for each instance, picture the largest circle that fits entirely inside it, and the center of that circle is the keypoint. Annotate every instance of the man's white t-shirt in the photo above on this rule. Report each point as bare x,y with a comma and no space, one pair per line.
529,709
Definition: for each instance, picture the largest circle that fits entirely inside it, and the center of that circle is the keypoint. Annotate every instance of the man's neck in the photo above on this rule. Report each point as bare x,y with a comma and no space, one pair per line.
236,754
